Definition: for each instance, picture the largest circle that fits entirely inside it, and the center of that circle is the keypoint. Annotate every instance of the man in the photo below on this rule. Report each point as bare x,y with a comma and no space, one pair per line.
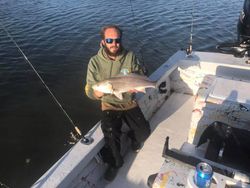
112,59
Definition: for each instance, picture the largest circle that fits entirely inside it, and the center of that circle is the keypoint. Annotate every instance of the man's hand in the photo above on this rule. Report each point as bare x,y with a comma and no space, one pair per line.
98,94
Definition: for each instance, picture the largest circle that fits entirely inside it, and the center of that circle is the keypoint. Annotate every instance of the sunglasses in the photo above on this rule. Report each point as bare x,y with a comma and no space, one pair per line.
110,41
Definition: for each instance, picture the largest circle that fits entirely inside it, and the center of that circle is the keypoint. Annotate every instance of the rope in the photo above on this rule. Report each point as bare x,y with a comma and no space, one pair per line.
40,78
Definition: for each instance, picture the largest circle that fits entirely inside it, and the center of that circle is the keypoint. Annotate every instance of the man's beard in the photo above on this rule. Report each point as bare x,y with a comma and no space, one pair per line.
109,53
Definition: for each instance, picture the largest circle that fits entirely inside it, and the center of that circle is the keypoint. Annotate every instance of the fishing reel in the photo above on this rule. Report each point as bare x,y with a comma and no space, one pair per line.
73,138
76,137
238,49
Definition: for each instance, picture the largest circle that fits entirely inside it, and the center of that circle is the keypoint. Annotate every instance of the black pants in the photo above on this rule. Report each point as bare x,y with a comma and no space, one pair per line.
111,124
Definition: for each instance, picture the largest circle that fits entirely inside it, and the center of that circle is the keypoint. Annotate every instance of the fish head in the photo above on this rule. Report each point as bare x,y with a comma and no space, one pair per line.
104,87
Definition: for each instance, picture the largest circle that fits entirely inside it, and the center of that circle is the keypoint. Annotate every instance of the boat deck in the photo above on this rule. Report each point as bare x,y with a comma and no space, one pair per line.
173,120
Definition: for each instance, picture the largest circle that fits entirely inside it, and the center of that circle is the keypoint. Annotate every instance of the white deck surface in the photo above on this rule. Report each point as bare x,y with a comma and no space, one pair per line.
173,120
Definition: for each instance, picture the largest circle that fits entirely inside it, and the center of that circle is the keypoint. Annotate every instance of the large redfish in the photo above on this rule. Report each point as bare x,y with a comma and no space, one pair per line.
124,83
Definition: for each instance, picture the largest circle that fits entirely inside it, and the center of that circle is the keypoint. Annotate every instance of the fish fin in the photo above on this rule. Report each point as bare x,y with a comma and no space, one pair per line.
118,95
141,89
110,86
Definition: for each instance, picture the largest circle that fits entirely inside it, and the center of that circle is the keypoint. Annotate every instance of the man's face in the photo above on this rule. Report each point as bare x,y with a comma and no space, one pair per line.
112,42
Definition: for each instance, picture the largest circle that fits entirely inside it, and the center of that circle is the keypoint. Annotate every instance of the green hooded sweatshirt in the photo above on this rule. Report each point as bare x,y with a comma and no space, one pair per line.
100,68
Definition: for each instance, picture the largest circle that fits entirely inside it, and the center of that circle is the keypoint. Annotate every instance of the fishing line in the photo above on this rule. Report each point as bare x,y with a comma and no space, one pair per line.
45,85
145,71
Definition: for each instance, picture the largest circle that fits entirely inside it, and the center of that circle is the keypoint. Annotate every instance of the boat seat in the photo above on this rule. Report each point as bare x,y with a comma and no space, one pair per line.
220,99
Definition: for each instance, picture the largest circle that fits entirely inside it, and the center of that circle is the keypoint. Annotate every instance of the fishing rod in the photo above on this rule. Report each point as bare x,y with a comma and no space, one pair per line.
78,134
189,50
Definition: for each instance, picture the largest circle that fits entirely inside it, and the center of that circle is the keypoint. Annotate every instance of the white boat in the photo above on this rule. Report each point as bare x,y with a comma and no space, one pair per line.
196,91
200,109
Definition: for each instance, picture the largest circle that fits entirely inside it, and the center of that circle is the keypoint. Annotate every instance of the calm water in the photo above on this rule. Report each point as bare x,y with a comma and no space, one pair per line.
59,37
